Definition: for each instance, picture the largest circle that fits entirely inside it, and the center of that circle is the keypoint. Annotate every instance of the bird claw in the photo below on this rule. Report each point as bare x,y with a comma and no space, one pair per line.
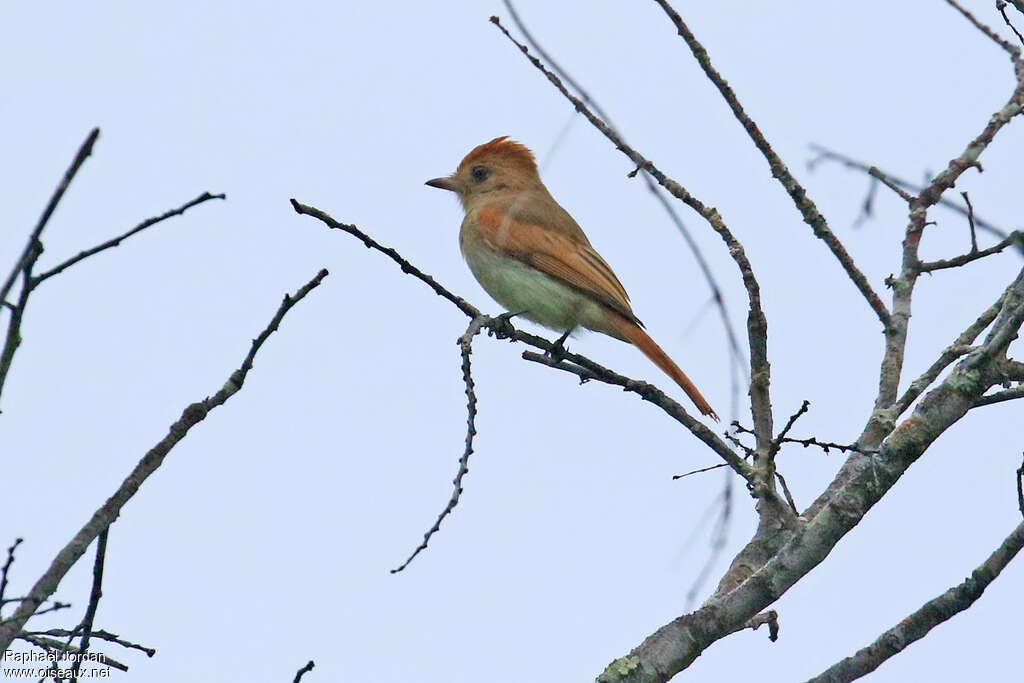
502,327
558,351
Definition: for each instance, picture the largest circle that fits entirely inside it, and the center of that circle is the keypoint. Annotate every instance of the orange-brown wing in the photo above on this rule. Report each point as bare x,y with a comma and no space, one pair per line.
536,206
554,254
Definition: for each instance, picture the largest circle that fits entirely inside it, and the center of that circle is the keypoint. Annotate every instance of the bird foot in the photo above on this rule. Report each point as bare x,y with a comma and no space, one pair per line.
558,351
502,327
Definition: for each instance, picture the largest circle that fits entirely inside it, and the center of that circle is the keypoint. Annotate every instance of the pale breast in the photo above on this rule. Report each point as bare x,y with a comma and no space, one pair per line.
521,289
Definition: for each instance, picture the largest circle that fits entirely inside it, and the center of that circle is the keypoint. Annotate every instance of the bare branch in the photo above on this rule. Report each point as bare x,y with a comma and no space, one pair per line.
653,188
747,450
567,361
932,613
27,254
824,445
780,171
303,671
55,607
94,600
99,634
789,496
973,255
1020,488
34,249
12,338
959,347
771,617
885,180
827,445
370,243
84,629
825,154
55,646
970,222
1001,6
1010,48
789,424
757,325
4,571
105,515
648,392
903,286
116,241
466,348
700,470
747,590
1000,396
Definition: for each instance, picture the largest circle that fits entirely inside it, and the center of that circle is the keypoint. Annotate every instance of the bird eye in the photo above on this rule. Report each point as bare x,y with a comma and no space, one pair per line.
480,173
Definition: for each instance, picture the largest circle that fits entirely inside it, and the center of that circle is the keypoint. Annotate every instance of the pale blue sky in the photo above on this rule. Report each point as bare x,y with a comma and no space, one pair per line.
266,538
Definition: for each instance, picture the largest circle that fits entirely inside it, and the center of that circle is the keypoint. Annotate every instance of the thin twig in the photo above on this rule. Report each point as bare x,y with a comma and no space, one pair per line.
785,491
917,625
825,154
807,208
1012,49
1020,488
650,393
874,172
973,255
771,617
55,607
33,239
747,450
95,594
970,222
50,645
465,348
303,671
34,249
777,442
891,367
370,243
582,366
757,325
716,292
960,346
116,241
99,634
1001,6
699,471
1000,396
105,515
824,445
5,569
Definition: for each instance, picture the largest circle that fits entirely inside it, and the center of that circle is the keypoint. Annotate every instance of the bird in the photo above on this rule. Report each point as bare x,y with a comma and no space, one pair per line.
530,256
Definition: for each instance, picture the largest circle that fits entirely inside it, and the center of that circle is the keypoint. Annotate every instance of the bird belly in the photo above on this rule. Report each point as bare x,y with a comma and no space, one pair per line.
524,290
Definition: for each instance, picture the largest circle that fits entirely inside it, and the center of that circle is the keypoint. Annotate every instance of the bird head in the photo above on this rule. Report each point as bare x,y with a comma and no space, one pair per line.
495,167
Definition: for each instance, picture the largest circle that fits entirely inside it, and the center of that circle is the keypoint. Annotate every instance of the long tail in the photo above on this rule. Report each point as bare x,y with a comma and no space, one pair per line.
635,334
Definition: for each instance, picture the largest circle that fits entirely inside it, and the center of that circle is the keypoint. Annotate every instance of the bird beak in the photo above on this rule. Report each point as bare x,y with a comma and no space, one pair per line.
447,183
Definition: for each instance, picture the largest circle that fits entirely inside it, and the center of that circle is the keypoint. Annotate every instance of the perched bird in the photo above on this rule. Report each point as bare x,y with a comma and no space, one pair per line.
530,255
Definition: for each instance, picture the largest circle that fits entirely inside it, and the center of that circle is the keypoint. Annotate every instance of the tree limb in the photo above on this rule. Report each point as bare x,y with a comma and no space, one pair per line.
105,515
83,153
780,171
503,329
748,589
917,625
757,324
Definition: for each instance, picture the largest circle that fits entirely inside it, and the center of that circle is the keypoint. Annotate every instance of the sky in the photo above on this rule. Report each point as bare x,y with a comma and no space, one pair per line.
265,539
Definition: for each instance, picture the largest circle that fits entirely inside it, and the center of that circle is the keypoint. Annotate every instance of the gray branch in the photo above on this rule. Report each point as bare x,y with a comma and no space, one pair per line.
105,515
